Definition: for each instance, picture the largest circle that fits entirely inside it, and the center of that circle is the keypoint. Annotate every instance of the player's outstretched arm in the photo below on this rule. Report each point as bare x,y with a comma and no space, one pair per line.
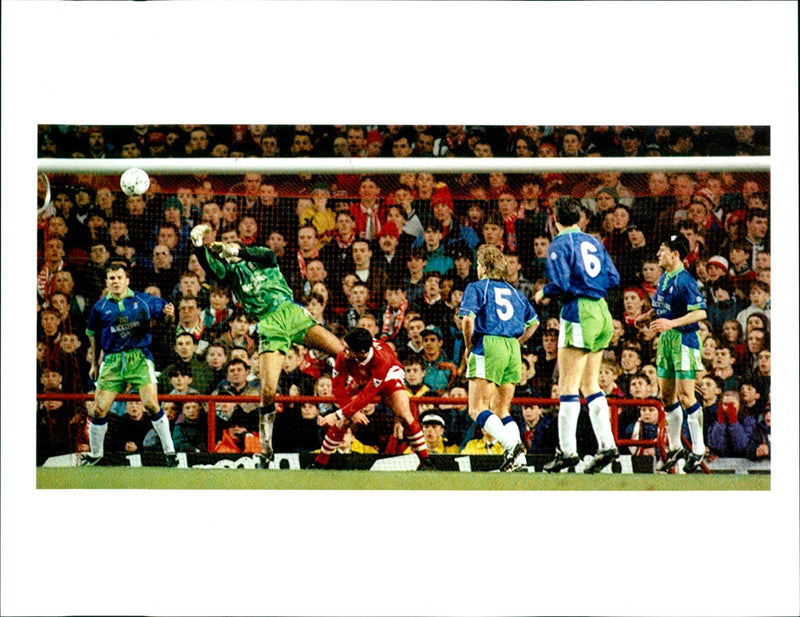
261,255
169,311
529,330
643,317
94,357
224,250
660,325
467,329
343,420
202,236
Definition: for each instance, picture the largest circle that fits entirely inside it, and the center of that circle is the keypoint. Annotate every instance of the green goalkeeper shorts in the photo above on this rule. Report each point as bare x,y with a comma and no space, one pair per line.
284,326
130,366
678,356
497,360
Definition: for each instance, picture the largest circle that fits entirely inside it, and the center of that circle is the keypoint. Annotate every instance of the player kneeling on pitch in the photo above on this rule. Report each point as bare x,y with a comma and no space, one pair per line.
497,320
366,369
122,321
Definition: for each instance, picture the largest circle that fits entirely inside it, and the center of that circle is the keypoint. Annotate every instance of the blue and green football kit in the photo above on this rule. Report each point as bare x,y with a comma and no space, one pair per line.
124,328
679,351
581,272
501,314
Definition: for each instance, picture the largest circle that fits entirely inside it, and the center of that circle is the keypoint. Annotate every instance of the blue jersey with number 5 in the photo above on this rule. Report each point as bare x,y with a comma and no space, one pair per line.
578,266
498,309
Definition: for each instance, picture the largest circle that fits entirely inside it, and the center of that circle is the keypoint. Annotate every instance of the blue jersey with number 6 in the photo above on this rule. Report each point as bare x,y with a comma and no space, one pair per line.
578,266
498,309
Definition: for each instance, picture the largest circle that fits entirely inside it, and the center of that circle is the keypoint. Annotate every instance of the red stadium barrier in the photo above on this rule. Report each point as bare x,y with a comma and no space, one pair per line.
211,415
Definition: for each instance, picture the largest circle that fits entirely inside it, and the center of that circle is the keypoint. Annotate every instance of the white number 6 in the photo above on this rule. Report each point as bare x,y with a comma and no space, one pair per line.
507,308
590,261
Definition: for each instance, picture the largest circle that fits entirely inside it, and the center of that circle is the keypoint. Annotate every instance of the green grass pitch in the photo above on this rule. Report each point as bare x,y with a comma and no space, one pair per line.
308,479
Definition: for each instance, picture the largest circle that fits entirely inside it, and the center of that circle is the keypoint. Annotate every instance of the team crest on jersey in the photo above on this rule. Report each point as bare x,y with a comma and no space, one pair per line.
553,256
698,299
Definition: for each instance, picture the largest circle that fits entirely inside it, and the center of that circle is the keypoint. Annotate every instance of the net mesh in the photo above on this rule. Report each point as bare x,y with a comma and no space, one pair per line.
90,220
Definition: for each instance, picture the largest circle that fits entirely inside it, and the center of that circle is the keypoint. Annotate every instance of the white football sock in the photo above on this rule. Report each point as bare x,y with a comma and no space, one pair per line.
162,430
97,437
266,420
695,422
494,426
601,423
674,421
568,412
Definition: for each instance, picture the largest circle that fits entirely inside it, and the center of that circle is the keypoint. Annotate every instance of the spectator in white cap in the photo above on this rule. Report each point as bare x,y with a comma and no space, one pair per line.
433,426
721,267
717,269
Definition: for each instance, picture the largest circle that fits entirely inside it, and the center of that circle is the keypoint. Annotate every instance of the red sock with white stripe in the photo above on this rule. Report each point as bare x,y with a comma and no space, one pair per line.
333,439
416,439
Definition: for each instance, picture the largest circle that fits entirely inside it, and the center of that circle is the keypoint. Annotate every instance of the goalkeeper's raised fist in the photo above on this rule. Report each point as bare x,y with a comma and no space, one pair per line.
198,233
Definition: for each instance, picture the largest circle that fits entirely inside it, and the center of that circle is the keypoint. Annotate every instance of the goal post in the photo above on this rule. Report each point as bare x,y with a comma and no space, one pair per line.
229,166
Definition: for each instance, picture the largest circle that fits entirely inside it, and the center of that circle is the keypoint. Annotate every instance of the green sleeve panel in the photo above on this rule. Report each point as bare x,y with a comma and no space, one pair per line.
260,255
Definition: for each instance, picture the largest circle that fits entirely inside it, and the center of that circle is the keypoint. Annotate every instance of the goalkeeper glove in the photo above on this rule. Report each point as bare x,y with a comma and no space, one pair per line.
224,250
198,233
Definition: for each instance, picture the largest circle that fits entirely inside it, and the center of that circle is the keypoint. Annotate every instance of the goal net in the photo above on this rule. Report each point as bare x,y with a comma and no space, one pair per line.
344,230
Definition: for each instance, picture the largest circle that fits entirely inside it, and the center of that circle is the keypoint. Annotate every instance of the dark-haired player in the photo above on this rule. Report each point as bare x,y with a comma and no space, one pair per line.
253,275
678,306
364,370
121,320
581,272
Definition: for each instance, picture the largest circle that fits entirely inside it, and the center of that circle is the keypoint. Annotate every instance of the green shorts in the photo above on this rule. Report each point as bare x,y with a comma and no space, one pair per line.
497,360
586,324
283,327
675,359
125,367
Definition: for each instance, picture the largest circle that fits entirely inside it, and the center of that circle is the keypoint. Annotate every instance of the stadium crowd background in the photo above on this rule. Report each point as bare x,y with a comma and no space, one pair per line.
392,253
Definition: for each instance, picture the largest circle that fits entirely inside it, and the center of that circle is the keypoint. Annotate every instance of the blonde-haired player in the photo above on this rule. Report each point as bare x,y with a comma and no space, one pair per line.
497,320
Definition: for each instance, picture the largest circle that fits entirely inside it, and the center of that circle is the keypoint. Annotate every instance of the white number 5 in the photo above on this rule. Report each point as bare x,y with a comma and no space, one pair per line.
590,261
505,310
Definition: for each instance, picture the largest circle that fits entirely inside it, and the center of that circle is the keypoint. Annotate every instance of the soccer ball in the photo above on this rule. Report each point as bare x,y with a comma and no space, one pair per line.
134,181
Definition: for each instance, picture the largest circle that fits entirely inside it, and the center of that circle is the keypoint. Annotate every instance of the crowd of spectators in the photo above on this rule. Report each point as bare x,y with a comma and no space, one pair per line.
261,140
393,253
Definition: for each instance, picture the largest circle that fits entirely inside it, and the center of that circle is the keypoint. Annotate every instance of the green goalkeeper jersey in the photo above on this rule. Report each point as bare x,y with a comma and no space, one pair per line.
256,280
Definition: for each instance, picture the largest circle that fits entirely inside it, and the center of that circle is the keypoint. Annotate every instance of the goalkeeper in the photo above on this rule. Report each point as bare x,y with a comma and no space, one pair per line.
252,274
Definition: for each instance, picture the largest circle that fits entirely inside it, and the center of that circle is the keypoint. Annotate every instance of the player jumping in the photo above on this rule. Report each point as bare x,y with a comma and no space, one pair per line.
580,271
252,274
122,321
366,369
497,320
678,306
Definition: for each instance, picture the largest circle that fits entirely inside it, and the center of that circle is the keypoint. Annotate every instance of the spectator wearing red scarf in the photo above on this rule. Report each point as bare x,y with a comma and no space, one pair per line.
366,213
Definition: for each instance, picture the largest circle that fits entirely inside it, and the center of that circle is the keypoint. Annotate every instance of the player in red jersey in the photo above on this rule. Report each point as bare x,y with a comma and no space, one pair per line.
367,369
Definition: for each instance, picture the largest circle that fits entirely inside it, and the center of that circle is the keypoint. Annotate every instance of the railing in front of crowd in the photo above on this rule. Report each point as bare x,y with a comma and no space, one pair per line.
614,406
